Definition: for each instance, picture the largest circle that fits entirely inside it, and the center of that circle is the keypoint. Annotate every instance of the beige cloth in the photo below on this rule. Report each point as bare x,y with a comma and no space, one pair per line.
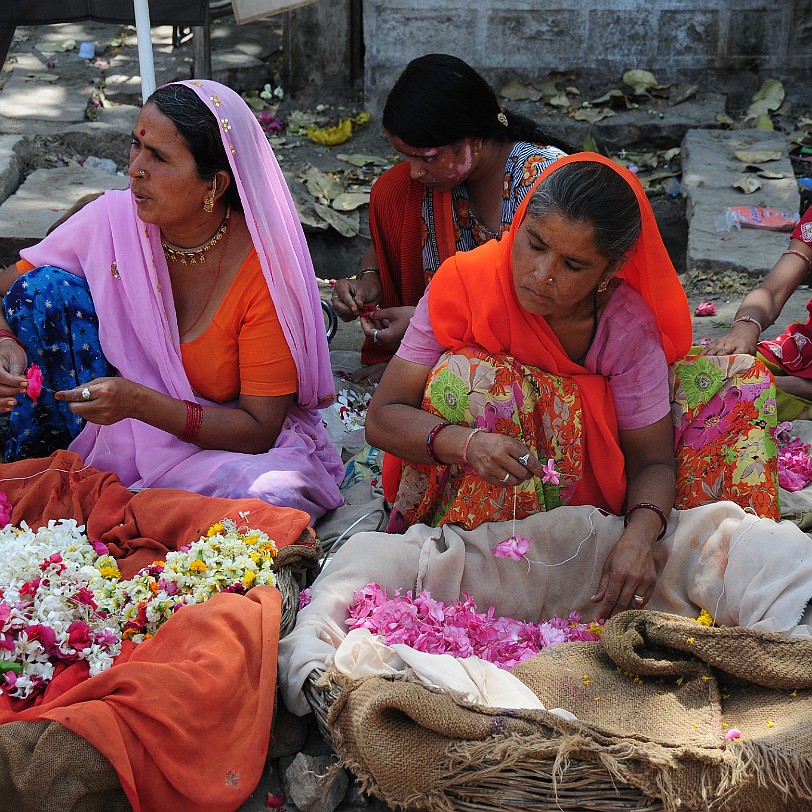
745,571
363,654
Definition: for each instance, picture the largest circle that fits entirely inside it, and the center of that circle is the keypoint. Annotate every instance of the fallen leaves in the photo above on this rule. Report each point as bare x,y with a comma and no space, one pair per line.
748,184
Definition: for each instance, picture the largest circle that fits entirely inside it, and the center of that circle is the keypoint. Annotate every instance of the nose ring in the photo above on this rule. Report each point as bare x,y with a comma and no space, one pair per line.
549,279
142,172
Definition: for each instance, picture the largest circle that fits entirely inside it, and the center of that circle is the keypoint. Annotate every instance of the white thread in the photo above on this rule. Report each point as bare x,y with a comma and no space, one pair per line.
87,465
729,551
578,550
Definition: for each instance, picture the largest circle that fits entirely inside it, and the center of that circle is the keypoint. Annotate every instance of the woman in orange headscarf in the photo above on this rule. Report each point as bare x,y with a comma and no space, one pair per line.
546,355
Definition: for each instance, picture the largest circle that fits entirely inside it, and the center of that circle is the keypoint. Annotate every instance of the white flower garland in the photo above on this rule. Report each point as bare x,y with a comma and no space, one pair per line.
62,597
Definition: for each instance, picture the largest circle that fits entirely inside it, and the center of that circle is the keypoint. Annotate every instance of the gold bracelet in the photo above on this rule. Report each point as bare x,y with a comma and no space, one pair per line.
366,270
804,257
751,320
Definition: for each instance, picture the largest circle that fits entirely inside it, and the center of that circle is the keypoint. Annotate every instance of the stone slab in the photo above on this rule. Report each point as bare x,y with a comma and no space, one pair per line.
27,106
654,126
46,195
10,165
709,169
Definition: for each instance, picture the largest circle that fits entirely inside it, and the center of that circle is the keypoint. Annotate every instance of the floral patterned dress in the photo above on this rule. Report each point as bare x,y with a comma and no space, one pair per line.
723,409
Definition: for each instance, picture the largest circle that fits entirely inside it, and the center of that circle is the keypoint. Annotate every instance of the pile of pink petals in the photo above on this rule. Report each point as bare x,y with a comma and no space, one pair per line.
794,461
458,629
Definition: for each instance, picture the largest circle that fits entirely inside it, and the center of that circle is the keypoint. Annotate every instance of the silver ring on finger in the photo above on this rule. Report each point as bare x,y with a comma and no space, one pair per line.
375,336
86,394
506,477
639,598
525,458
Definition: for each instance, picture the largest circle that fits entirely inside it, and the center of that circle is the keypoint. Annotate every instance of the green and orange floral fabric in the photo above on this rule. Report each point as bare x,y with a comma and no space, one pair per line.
722,409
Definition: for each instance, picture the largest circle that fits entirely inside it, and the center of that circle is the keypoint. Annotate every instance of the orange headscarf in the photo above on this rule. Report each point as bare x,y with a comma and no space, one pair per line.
472,302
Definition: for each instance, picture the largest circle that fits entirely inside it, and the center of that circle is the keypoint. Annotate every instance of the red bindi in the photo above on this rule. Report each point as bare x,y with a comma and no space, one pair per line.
143,132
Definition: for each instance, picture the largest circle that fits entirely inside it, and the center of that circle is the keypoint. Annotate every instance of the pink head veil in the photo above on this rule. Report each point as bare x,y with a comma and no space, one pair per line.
277,236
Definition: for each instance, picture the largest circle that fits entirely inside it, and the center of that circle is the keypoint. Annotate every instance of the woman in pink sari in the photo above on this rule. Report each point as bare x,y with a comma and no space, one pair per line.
208,311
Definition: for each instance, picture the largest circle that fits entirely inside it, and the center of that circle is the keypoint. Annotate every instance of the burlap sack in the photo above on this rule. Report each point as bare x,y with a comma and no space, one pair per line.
663,733
44,767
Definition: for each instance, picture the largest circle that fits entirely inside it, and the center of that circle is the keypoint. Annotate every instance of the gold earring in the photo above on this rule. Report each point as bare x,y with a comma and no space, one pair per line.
604,284
208,201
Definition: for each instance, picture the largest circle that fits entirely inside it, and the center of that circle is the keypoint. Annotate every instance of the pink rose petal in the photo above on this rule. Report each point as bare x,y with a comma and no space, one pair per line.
514,547
34,375
275,801
705,309
458,629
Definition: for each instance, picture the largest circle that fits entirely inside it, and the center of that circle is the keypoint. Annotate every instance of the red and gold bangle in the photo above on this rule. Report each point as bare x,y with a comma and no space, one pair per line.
194,420
10,334
432,437
649,506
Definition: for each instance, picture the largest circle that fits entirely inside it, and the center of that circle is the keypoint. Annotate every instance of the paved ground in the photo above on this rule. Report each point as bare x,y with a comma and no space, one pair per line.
56,110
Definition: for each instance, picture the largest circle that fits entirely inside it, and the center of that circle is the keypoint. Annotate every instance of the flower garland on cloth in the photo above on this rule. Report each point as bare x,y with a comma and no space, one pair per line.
794,460
458,628
62,599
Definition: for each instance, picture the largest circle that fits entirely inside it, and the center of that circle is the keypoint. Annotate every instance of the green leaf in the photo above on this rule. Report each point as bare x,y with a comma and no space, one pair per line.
590,144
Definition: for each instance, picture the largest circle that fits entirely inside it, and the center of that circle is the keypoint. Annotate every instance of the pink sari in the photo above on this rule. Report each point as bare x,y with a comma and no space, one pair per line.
122,260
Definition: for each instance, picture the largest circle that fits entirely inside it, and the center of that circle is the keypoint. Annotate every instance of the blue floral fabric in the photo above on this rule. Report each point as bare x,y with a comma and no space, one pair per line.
52,313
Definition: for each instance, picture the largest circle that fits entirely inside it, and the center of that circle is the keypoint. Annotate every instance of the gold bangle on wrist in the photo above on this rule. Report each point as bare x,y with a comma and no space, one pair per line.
366,270
751,320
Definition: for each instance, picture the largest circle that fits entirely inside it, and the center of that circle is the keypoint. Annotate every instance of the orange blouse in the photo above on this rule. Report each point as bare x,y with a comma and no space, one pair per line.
243,350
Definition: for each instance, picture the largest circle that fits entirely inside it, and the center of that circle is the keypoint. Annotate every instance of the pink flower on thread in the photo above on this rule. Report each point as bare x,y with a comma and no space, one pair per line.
514,547
34,375
705,309
305,596
732,734
550,474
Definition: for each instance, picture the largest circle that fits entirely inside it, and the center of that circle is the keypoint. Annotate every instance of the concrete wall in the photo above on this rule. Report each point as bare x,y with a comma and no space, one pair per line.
729,45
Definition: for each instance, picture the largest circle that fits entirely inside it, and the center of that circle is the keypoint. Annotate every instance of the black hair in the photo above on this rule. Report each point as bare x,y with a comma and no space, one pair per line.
591,192
439,100
200,132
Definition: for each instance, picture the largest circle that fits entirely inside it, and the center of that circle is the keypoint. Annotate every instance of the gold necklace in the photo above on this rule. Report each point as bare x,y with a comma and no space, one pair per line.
174,253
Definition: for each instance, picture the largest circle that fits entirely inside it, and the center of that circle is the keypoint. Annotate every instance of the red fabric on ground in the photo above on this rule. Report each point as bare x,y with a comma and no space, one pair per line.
185,717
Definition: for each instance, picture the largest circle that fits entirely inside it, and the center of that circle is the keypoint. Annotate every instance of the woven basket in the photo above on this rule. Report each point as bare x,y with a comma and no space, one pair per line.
288,586
531,786
320,697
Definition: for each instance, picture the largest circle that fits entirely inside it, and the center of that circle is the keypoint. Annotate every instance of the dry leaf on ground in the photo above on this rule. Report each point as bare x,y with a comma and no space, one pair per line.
748,185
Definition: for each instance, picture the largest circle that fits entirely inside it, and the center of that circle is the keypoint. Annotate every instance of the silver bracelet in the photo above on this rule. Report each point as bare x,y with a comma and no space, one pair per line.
751,320
366,270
